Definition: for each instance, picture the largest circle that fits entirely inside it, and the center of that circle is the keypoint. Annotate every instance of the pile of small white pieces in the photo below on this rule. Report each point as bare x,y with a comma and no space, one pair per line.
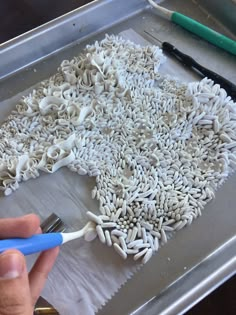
158,148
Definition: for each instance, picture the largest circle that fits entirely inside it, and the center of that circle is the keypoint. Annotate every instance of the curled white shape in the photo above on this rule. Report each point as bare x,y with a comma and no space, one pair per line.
47,103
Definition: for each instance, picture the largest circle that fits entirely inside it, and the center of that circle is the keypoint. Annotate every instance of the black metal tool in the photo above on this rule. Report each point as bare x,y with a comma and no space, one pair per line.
189,62
53,224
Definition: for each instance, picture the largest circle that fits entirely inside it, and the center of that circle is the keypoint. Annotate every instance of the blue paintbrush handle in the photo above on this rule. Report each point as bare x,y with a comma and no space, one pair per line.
34,244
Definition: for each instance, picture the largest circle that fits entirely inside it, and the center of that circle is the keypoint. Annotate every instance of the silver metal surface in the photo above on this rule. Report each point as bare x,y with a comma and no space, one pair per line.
223,11
198,258
53,223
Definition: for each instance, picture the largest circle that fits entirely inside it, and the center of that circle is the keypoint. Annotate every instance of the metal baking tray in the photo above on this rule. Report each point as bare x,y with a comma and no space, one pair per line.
201,257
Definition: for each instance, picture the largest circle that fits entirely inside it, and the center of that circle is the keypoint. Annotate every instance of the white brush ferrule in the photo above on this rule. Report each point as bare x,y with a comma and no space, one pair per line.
85,231
66,237
162,11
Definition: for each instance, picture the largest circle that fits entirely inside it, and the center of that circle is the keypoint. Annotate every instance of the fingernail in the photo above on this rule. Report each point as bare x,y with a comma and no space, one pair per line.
11,266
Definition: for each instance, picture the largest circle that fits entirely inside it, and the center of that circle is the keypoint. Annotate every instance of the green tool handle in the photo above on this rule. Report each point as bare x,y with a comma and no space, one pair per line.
205,32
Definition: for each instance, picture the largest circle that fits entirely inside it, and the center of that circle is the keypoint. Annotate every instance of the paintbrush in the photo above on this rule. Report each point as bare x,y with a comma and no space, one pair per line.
197,28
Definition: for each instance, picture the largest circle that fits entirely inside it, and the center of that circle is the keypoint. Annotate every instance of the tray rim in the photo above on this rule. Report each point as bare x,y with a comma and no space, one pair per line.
30,55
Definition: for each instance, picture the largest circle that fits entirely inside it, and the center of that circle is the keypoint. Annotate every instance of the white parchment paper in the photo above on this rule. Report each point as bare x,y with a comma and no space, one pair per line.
86,275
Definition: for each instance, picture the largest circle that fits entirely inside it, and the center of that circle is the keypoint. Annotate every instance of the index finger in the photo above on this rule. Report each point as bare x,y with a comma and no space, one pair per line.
24,226
39,273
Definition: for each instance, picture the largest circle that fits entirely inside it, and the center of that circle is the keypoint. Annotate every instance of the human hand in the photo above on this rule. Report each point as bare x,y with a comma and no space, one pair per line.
19,290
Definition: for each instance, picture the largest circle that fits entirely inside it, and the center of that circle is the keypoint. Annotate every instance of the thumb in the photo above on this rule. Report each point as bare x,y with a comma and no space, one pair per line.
15,297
